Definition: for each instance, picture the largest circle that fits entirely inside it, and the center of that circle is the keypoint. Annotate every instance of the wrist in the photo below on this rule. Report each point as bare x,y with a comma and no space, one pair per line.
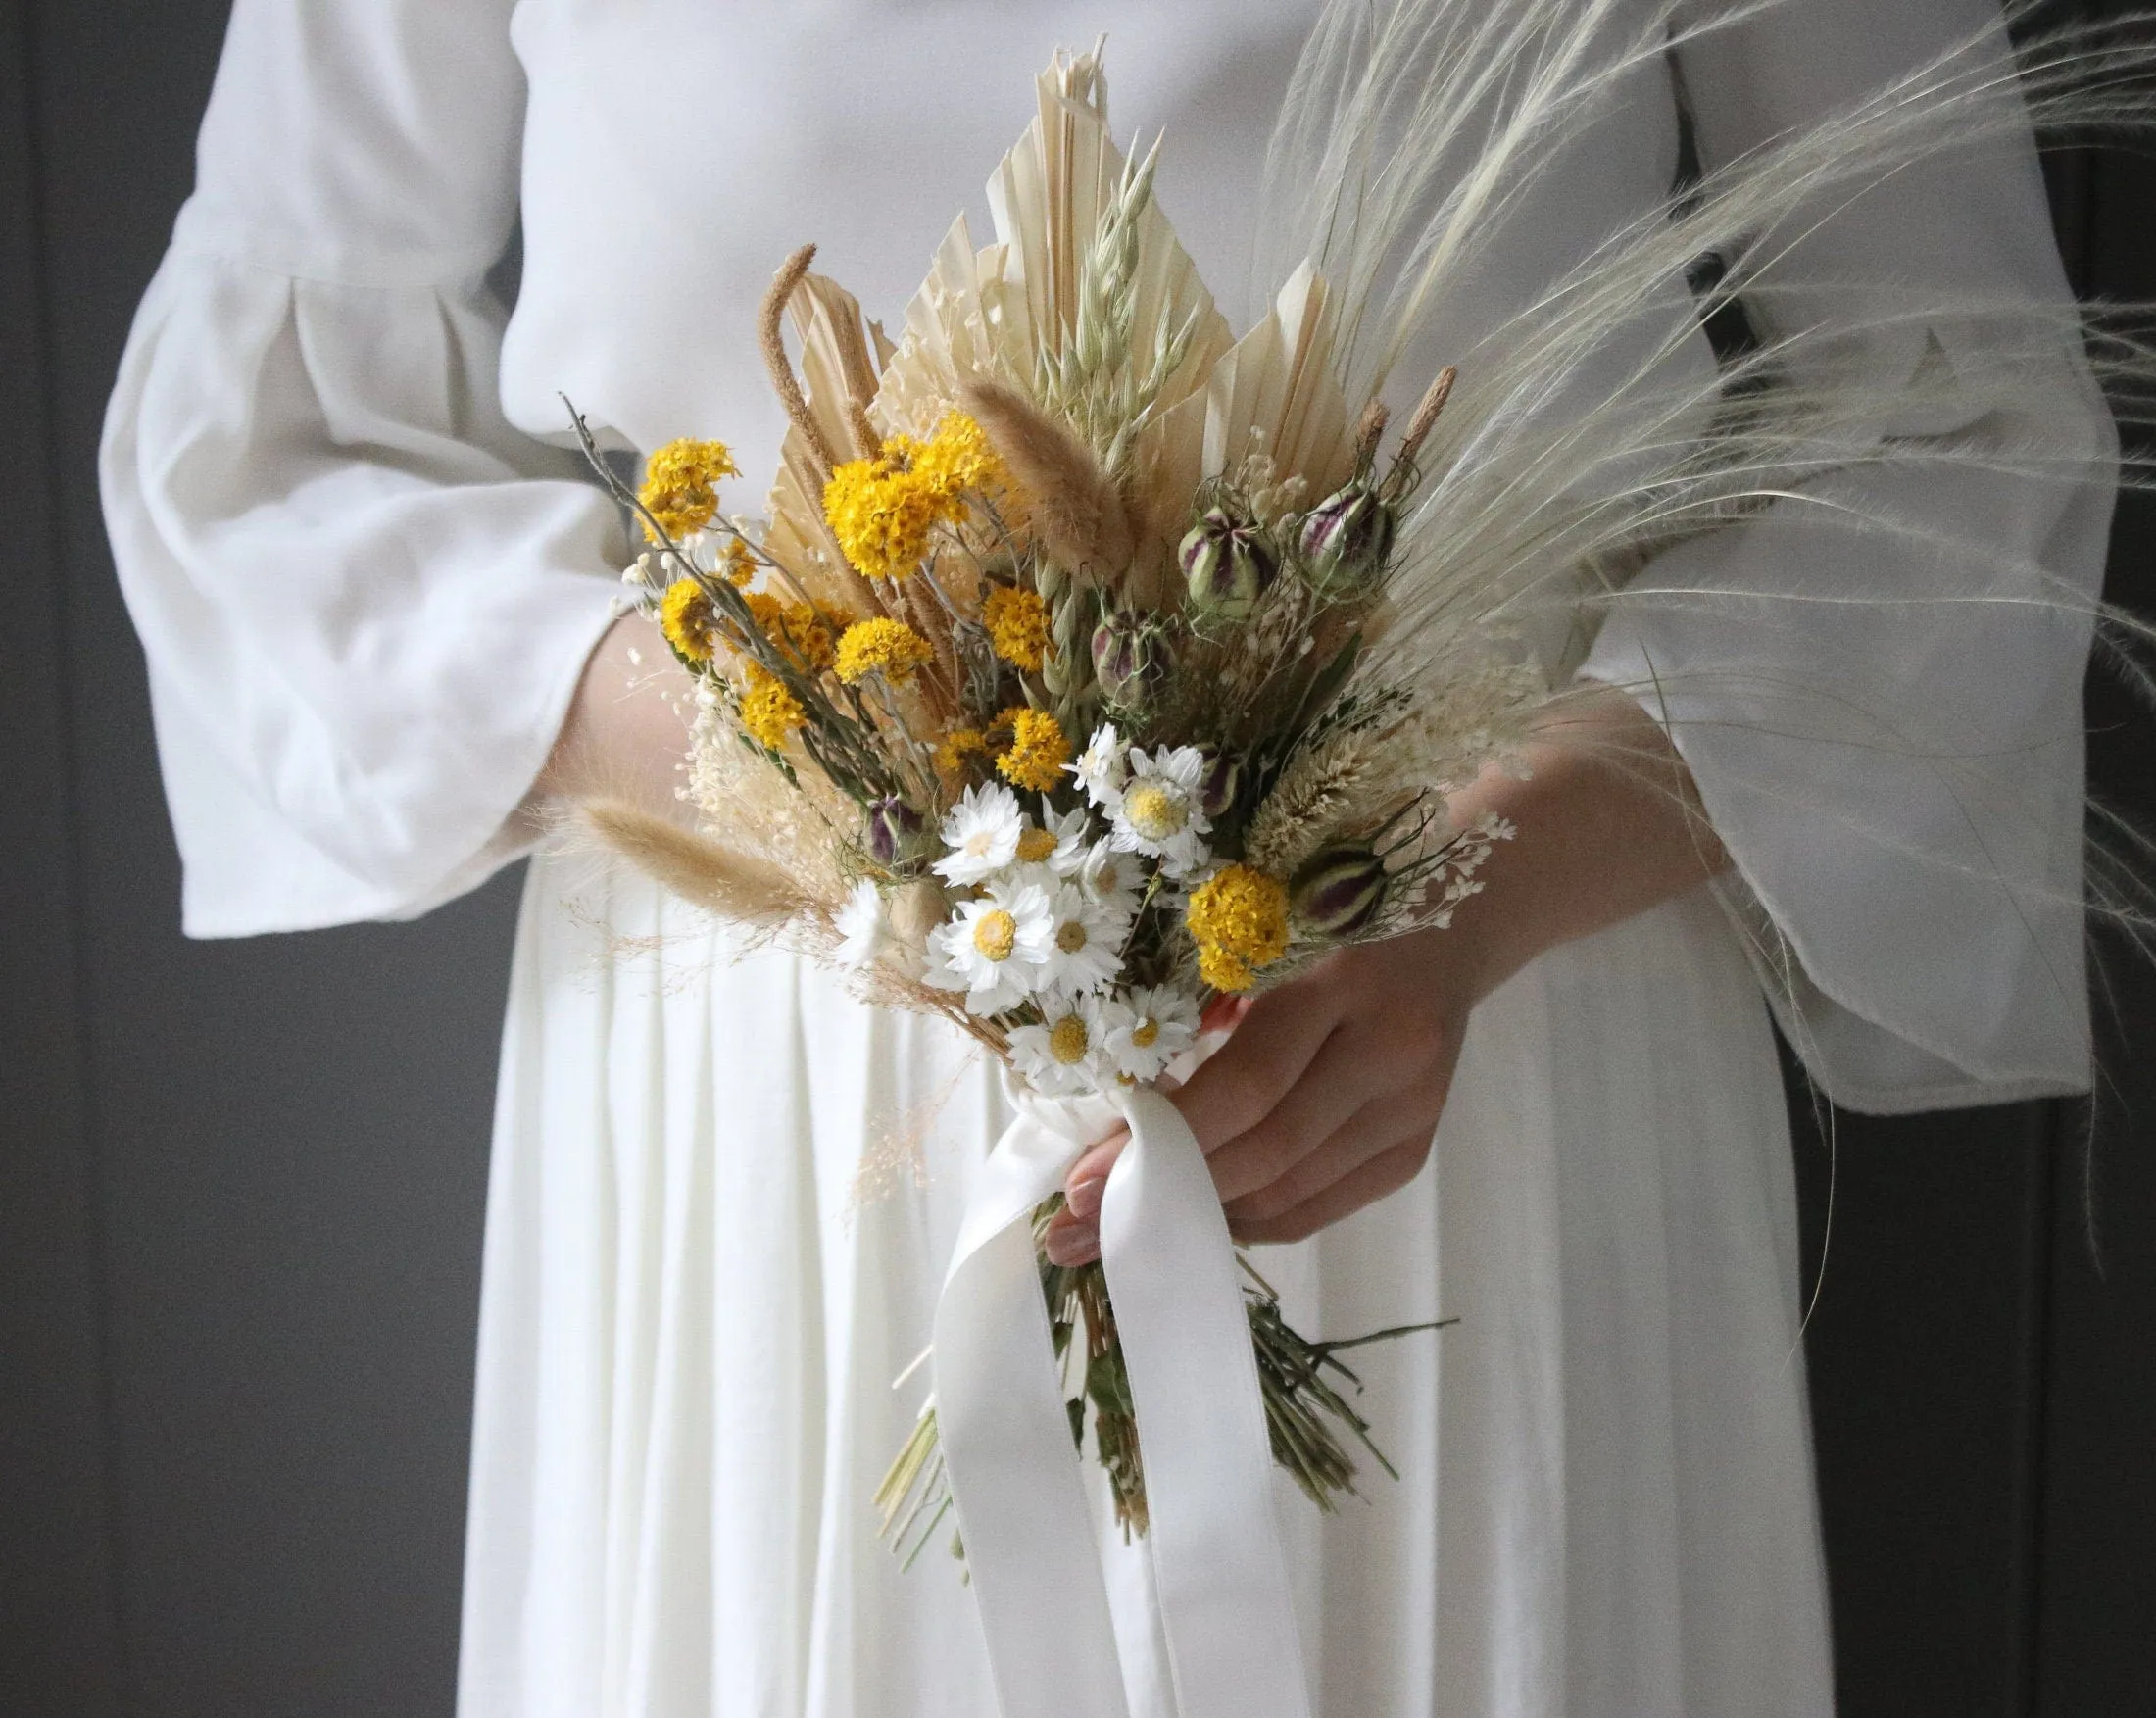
1608,824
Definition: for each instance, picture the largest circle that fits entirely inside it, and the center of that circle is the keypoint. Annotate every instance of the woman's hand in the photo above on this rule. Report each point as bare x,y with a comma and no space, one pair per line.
1329,1089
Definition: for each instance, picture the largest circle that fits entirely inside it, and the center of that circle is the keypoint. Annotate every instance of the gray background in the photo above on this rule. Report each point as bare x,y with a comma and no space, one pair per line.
241,1184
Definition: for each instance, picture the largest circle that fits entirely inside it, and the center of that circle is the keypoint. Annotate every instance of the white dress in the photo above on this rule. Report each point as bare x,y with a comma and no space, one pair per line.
723,1194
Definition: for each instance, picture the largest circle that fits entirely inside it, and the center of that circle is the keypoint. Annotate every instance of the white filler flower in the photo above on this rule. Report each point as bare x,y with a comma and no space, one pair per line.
993,948
982,832
1062,1056
865,936
1100,768
1158,813
1085,947
1159,1023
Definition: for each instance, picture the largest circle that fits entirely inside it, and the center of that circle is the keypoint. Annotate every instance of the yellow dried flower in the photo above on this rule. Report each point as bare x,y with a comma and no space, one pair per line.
769,713
1018,625
681,485
1238,920
685,616
883,509
1037,753
881,646
958,456
956,746
738,565
882,514
1223,972
795,628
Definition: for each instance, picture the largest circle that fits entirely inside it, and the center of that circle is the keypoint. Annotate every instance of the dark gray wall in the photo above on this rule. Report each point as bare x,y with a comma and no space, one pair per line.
243,1182
241,1185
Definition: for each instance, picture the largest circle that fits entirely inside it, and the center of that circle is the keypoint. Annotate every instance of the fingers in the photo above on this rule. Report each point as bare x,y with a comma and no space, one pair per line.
1388,1172
1340,1081
1380,1124
1273,1045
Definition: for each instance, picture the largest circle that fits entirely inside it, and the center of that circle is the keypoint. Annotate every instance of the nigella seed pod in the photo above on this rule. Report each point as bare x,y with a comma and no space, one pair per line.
1345,541
1227,564
891,825
1223,781
1131,657
1339,893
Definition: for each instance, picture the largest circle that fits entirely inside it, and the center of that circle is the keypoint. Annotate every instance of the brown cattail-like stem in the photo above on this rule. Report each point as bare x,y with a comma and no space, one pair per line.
773,341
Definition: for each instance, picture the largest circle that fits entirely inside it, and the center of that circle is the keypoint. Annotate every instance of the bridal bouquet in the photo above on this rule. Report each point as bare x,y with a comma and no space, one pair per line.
1047,701
1091,663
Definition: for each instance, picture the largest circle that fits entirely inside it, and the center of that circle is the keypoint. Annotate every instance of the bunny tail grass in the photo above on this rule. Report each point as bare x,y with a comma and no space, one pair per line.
729,884
1073,504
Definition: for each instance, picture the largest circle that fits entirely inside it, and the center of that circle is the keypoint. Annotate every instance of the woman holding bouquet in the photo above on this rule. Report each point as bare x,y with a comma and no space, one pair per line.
723,1194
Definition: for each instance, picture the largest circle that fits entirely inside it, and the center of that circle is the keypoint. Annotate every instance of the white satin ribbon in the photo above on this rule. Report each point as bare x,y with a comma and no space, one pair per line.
1220,1572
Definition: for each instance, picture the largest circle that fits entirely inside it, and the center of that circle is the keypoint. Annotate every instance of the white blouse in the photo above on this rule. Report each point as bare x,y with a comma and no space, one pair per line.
366,575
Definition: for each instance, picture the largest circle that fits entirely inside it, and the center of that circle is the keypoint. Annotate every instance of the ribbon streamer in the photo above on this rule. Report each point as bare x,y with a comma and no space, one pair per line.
1220,1572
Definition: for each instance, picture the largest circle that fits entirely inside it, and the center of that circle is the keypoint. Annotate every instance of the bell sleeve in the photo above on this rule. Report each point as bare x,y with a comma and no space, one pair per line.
1876,682
365,597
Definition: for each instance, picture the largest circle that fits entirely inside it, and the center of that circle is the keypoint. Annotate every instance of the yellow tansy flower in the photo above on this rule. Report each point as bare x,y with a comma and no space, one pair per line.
1018,625
1238,920
769,713
1223,972
681,485
882,514
881,646
738,565
685,618
795,627
956,746
957,457
1037,753
883,509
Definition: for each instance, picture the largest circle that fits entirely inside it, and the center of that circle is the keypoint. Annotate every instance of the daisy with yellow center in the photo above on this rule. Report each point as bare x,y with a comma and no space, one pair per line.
681,485
1037,753
980,835
881,646
1157,1023
1064,1054
993,948
1087,948
1238,920
1158,811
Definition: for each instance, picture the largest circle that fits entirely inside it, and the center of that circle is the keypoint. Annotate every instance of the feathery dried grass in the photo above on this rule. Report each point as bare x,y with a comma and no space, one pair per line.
733,885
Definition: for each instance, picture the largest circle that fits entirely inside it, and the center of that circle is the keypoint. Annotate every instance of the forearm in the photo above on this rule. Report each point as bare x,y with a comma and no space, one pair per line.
1608,826
626,732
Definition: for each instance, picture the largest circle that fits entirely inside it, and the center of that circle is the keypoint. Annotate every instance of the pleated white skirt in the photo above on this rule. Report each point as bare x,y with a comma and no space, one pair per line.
723,1199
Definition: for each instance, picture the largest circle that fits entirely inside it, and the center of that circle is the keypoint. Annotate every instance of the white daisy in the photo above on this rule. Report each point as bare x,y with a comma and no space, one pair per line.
1099,768
994,946
1086,946
864,928
982,832
1159,1023
1159,814
1111,878
1062,1056
1055,848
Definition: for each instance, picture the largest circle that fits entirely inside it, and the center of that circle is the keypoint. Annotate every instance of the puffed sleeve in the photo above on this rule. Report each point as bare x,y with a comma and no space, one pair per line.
365,597
1879,699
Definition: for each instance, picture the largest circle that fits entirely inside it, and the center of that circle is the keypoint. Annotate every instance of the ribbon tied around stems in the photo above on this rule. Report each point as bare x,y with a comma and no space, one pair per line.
1219,1568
